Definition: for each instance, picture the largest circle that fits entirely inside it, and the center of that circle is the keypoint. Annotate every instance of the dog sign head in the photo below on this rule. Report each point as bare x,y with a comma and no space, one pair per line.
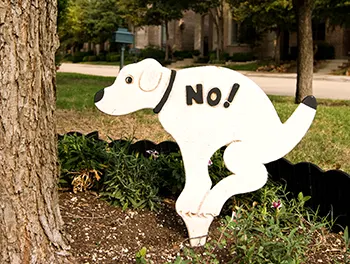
137,86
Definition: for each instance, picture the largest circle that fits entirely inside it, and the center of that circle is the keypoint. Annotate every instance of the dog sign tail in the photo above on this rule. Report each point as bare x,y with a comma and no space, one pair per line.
285,137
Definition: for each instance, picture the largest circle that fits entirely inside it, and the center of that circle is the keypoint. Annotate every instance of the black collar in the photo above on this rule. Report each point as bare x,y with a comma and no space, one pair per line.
165,97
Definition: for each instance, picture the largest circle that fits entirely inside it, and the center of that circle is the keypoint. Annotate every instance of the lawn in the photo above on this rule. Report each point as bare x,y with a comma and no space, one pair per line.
327,143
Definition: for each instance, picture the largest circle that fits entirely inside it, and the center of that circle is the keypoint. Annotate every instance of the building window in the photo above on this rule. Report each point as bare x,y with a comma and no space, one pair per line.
318,31
235,27
241,33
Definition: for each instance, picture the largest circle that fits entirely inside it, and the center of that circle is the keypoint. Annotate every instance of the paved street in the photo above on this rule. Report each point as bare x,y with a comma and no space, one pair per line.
325,86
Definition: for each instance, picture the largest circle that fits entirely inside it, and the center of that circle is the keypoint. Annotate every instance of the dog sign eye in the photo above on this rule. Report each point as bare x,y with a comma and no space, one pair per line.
128,79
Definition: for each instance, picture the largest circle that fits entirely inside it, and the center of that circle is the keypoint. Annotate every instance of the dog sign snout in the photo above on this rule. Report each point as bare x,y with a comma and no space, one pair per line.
99,95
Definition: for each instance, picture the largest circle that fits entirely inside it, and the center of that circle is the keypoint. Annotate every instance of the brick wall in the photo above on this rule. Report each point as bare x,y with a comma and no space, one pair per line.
335,37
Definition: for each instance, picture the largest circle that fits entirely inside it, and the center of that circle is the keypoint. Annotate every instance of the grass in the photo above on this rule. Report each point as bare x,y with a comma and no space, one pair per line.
327,143
76,91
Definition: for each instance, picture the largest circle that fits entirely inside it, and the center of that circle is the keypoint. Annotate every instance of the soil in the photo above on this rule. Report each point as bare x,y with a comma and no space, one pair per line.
101,233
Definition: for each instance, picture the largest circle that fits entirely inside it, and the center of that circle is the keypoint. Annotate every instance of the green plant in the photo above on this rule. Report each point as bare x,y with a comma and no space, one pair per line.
152,52
265,227
79,56
113,57
82,162
131,181
90,58
242,56
140,256
172,174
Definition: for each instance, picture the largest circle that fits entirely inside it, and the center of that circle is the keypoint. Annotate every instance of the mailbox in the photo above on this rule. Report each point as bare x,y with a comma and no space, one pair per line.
122,35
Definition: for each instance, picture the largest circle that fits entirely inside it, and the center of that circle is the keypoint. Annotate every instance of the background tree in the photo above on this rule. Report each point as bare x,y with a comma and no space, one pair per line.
337,11
154,12
30,220
89,21
216,9
269,15
305,61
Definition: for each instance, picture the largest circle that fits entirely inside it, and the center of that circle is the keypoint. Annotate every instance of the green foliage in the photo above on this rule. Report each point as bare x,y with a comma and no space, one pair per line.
79,56
113,56
337,11
82,161
265,15
185,54
155,53
89,21
90,58
242,56
140,256
261,232
130,181
152,12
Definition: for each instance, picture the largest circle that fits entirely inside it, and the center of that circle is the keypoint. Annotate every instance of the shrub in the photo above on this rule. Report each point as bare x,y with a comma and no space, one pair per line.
113,57
79,56
183,54
101,57
196,53
151,52
324,51
242,56
131,182
90,58
204,59
83,161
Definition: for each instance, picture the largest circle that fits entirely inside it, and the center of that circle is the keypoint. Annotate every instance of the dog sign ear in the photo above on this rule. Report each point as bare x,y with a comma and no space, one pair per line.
151,76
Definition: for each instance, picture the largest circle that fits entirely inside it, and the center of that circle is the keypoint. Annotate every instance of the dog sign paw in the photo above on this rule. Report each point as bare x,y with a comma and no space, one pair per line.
205,108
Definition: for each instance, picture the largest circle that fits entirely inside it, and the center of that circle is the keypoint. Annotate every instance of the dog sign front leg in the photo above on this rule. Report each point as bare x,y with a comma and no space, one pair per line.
197,187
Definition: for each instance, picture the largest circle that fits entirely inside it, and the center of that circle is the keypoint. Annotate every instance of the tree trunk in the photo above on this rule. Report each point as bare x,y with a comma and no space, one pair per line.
166,41
30,220
305,48
219,25
278,47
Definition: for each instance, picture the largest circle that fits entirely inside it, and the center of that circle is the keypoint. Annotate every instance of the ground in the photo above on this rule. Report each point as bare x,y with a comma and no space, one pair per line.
101,233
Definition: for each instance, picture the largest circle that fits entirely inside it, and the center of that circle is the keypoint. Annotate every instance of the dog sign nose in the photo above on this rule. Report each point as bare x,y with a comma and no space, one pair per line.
99,95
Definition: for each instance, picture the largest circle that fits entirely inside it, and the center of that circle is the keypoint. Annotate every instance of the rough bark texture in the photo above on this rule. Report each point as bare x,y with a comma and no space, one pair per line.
30,220
278,47
305,48
218,18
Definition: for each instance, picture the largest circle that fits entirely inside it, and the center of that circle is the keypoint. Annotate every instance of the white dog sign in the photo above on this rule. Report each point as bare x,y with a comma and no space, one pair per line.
205,108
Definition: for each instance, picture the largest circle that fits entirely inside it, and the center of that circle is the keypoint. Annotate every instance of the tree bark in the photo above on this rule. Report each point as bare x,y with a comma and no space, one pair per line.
303,10
30,220
166,41
278,47
219,25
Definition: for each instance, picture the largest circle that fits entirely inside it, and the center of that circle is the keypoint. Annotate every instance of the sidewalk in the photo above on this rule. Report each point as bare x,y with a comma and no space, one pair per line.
112,71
